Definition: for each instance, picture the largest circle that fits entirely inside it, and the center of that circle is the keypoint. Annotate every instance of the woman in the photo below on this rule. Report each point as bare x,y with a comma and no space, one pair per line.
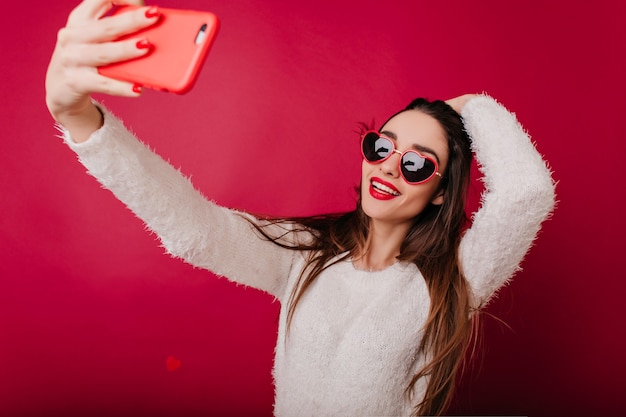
376,304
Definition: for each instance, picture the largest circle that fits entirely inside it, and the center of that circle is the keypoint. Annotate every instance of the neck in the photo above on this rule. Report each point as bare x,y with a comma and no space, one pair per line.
382,247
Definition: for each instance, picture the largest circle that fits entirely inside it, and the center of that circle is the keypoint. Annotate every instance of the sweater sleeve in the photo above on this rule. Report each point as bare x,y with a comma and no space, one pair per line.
188,225
519,195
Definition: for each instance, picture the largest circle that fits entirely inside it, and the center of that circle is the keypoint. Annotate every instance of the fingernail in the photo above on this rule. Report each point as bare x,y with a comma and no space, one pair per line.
152,12
143,44
137,88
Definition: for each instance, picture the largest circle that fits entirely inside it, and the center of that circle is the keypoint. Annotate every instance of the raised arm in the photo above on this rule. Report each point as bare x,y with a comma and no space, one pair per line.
189,226
519,195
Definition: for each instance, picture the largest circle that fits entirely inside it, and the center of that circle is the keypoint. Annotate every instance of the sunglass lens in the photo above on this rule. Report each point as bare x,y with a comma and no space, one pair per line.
416,168
375,147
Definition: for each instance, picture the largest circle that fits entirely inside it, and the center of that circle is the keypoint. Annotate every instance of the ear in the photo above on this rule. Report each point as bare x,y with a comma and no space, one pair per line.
437,200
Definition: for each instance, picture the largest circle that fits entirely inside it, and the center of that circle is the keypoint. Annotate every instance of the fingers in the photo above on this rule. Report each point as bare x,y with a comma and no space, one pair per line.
457,103
68,85
85,45
111,27
97,83
89,41
76,67
95,9
98,54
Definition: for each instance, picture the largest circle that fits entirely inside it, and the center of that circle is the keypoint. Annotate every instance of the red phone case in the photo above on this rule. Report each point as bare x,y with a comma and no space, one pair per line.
180,43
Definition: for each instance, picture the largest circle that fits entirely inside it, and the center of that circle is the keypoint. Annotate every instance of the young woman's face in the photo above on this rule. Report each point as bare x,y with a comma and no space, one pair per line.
385,195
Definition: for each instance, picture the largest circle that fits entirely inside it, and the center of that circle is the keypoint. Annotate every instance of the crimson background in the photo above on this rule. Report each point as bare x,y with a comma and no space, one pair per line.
91,308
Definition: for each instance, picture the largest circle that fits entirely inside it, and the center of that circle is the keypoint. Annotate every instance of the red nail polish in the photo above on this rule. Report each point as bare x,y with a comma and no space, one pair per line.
137,88
152,12
143,44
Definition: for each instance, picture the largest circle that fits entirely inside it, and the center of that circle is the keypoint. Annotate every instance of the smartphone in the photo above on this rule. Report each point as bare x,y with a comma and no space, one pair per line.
181,40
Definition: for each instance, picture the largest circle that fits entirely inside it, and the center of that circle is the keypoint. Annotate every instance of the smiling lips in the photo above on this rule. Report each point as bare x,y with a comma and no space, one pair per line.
382,190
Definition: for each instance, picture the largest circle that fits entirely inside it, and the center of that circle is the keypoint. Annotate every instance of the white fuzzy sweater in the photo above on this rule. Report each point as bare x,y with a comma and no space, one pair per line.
350,349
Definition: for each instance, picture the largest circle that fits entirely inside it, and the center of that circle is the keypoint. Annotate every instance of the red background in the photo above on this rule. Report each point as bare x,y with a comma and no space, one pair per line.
91,308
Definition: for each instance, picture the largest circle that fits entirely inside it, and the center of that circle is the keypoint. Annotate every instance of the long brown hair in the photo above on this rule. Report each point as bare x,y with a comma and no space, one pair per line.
431,244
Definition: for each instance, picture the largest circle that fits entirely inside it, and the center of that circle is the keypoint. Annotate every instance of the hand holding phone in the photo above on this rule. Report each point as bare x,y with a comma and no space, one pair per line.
179,42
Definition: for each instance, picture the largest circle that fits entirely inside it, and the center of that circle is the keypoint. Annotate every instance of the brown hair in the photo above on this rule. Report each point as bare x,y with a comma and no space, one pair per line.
431,244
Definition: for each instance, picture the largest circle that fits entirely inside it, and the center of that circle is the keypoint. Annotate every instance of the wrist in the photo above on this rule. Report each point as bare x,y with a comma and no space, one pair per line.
81,124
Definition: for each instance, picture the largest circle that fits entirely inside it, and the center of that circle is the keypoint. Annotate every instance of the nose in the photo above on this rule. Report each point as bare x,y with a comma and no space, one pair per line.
390,166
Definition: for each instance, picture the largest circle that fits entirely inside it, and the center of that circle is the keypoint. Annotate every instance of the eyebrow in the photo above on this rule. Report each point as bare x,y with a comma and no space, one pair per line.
415,146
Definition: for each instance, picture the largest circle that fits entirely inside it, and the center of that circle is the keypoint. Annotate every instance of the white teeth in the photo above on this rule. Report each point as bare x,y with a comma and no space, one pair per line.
384,188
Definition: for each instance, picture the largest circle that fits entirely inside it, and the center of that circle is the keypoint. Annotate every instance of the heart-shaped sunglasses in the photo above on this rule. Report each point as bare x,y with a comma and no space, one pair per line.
415,167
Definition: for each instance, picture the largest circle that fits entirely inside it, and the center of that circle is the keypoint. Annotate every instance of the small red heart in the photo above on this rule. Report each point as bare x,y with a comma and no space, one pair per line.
172,363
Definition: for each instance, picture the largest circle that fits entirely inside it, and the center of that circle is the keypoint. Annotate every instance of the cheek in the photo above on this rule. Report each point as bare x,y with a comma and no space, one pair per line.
415,204
419,197
366,169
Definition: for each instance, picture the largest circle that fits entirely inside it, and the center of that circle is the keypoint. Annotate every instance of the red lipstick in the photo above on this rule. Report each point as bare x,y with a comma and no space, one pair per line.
382,190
